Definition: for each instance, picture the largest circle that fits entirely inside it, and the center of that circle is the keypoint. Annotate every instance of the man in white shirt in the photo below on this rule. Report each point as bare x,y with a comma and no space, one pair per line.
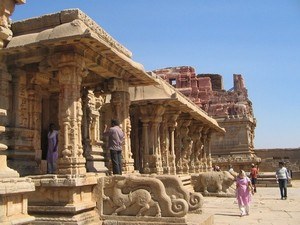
282,177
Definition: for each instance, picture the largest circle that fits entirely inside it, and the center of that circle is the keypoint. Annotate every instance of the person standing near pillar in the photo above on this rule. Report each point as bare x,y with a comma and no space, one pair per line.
115,141
52,153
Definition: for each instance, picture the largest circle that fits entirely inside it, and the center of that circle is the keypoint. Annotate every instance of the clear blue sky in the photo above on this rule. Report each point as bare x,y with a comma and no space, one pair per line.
258,39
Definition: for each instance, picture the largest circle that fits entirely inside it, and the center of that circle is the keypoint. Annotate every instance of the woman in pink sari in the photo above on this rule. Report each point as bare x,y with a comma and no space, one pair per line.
243,192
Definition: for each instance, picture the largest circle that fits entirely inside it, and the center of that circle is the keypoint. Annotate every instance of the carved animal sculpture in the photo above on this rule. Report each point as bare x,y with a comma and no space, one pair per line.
215,182
140,197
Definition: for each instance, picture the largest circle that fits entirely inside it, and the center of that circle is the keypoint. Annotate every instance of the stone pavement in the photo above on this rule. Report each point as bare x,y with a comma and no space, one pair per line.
266,208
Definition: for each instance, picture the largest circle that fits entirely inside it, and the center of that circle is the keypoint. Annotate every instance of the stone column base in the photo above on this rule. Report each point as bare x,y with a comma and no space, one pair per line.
64,199
13,200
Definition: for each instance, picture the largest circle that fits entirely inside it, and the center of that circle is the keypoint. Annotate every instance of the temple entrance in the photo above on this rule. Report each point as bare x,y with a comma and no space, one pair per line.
49,115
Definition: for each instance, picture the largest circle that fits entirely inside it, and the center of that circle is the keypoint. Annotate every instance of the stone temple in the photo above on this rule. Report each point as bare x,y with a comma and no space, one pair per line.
65,69
232,110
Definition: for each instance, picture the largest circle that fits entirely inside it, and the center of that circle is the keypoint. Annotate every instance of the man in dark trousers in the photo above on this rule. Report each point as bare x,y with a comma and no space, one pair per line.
282,177
115,142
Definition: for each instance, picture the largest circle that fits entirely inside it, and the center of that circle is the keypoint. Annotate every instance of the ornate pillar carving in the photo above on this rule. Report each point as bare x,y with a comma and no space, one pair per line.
164,145
145,143
35,83
209,162
23,130
120,102
93,150
17,98
5,93
71,71
184,150
206,160
152,115
196,134
171,117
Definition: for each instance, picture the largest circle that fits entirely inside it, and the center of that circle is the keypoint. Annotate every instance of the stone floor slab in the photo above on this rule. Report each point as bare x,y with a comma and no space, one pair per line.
266,209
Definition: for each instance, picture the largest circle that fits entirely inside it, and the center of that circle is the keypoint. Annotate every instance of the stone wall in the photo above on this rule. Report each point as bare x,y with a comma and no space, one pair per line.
271,157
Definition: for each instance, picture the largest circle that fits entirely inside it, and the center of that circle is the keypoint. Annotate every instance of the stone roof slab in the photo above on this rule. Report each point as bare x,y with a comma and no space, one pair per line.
74,28
168,95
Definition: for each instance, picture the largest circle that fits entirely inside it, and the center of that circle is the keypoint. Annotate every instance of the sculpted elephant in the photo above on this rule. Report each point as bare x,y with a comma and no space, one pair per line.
213,182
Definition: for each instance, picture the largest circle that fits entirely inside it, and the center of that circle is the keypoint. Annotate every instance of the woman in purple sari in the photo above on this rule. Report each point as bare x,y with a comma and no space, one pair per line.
52,153
243,192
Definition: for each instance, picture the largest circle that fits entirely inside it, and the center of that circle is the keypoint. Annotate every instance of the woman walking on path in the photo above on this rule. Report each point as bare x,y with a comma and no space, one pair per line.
244,190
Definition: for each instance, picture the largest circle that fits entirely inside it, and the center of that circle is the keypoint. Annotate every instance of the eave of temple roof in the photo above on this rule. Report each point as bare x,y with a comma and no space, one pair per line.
72,27
164,93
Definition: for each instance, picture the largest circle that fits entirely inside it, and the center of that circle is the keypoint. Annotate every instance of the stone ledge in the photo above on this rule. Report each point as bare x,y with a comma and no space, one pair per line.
15,185
62,209
57,180
142,220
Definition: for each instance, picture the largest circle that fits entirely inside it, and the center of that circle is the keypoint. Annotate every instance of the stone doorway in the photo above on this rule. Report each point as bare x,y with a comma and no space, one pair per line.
49,115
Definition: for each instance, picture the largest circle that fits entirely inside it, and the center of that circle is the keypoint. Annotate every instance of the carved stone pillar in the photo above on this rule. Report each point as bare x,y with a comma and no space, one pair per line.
17,92
23,130
35,115
196,135
184,150
156,164
191,161
71,71
7,7
171,117
120,101
145,143
152,153
164,145
206,159
93,150
5,93
209,161
13,191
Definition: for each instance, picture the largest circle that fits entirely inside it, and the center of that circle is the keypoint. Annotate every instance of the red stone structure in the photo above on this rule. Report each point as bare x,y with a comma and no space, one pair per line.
232,109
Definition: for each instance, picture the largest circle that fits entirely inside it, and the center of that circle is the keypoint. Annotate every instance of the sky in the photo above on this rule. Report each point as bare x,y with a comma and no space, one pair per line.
258,39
